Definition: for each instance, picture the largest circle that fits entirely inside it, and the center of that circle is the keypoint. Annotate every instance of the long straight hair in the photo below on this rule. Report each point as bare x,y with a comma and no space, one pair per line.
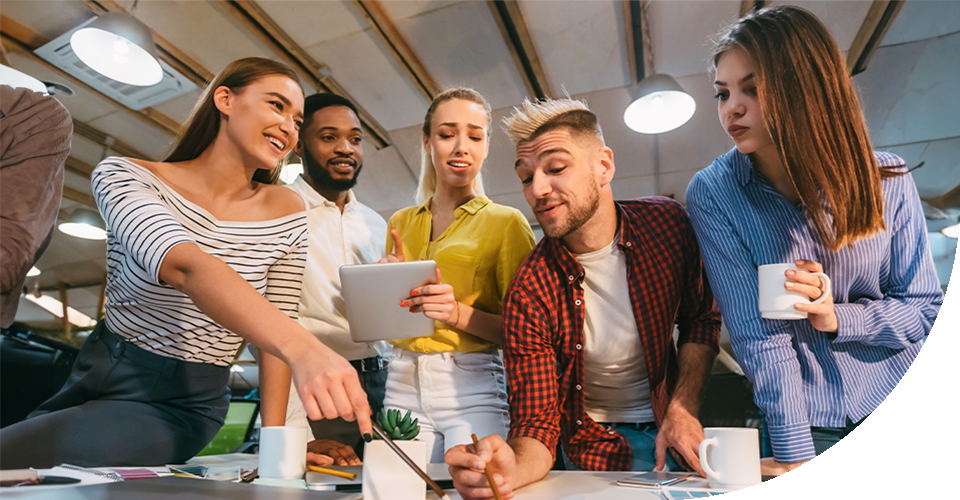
428,174
812,113
203,125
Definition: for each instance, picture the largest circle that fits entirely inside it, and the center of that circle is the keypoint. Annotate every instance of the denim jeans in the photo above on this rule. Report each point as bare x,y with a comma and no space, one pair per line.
642,439
908,427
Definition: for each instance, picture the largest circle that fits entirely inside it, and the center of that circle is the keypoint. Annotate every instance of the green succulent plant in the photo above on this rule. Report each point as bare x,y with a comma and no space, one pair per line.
397,427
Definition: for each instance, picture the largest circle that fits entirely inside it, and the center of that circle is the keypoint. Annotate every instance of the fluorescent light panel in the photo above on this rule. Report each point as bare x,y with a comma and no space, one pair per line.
55,307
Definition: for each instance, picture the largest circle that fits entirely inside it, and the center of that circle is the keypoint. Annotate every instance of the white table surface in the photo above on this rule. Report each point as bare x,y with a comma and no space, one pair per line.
583,485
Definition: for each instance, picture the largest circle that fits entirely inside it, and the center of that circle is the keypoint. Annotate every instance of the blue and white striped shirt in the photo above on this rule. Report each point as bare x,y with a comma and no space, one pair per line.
885,290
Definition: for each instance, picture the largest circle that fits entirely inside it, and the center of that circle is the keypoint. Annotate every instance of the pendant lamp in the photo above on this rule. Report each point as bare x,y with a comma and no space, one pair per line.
120,47
661,106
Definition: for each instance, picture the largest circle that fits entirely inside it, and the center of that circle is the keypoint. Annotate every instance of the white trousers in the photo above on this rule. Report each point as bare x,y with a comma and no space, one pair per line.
454,394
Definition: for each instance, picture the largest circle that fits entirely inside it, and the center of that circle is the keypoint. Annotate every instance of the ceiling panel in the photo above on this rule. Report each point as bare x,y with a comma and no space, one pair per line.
77,182
911,91
582,45
515,200
310,23
137,134
204,31
49,19
681,33
85,150
179,107
402,9
461,46
371,75
385,184
843,19
941,165
921,19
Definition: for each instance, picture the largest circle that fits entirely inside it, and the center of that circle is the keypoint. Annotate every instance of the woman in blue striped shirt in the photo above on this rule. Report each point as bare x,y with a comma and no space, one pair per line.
804,186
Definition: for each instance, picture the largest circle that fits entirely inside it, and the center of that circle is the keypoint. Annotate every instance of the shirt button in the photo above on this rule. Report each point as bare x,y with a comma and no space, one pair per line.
579,422
577,302
629,244
578,387
570,277
579,347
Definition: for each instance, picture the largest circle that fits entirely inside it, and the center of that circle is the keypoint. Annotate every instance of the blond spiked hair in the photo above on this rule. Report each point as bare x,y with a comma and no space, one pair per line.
531,119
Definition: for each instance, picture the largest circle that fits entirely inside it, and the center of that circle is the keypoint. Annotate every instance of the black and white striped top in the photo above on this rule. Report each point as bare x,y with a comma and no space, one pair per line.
145,219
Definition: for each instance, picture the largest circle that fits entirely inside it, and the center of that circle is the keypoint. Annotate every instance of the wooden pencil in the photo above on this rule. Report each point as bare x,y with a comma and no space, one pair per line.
486,470
332,472
413,465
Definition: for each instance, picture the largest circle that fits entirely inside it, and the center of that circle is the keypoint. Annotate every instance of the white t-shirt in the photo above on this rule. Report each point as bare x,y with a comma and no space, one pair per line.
616,388
356,236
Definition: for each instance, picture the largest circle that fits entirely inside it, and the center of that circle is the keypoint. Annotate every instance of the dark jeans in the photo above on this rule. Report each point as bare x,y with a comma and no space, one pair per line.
908,427
122,405
338,429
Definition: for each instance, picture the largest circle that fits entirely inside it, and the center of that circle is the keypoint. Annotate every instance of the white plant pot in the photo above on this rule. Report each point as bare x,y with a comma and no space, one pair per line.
387,477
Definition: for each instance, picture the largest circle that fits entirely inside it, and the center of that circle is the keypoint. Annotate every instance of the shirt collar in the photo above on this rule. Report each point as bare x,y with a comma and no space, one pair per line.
572,270
471,207
315,199
740,164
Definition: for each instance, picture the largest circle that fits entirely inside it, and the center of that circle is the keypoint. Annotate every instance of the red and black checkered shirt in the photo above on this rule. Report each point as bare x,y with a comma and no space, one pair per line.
543,329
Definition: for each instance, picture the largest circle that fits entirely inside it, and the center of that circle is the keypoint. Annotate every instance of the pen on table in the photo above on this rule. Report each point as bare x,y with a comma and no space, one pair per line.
413,465
486,470
332,472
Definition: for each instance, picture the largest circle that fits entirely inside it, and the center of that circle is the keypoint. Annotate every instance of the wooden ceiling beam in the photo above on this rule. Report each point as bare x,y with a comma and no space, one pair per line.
168,52
78,167
874,28
520,44
79,197
262,26
19,39
92,134
382,25
748,6
635,15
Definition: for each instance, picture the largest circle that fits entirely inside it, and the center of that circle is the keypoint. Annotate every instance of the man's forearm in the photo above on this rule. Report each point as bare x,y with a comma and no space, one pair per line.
696,363
534,460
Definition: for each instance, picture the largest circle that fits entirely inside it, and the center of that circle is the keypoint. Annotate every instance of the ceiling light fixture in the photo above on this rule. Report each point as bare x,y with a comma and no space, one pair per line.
14,78
119,46
661,106
85,223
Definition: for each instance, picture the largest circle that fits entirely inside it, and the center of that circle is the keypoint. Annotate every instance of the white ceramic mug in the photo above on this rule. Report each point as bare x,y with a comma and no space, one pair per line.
283,452
731,456
775,301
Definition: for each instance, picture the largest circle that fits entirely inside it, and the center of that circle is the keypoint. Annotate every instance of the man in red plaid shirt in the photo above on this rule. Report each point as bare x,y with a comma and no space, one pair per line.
588,320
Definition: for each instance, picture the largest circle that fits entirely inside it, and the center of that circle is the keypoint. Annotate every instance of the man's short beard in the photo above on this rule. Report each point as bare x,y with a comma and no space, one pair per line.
321,176
579,216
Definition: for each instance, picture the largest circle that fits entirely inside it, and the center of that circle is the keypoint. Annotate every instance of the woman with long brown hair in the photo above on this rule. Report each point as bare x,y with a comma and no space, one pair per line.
803,186
202,253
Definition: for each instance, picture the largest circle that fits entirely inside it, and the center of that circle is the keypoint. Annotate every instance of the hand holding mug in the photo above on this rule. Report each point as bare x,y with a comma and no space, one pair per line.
804,280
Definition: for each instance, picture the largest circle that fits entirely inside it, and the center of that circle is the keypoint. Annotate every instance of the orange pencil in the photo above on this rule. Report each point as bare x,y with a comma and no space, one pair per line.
486,470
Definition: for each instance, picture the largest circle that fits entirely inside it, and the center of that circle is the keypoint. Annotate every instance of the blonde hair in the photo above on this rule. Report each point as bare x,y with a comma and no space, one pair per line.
531,119
428,175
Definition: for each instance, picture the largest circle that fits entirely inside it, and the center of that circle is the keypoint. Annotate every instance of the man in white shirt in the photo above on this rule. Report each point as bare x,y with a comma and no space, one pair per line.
343,231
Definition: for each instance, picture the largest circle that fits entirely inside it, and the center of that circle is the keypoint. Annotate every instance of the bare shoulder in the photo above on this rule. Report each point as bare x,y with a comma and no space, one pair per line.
280,201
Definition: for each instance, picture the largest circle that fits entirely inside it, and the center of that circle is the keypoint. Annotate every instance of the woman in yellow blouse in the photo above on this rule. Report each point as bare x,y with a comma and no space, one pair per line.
453,380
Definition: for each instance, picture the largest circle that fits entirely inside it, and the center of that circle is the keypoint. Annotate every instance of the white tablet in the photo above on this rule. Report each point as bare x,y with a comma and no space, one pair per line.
372,295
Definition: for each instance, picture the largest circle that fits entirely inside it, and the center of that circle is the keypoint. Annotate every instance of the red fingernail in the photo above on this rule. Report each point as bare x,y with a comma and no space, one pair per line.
412,309
413,293
403,303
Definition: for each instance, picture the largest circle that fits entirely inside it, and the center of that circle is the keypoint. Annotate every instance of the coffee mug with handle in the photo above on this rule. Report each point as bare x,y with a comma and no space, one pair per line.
775,301
731,457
